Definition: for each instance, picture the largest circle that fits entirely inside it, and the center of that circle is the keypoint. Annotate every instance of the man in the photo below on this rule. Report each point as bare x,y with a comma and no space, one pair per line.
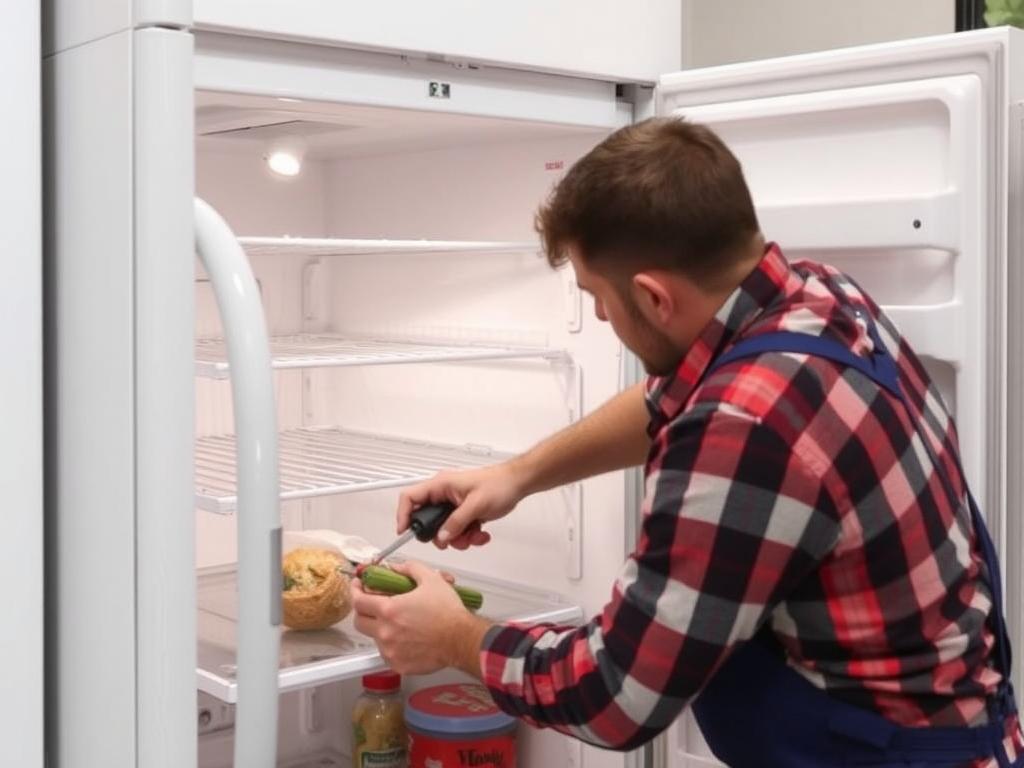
811,575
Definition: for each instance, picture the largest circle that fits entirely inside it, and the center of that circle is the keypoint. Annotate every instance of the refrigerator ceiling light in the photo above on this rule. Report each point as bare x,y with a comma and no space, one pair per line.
284,162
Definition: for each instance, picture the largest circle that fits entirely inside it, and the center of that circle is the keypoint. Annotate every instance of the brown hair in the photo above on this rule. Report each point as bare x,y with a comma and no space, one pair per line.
663,193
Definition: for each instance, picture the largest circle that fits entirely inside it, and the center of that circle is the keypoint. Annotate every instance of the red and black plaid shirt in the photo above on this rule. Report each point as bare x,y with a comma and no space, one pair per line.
786,491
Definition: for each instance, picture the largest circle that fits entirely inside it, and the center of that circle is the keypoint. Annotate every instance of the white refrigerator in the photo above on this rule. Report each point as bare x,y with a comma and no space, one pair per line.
21,389
384,312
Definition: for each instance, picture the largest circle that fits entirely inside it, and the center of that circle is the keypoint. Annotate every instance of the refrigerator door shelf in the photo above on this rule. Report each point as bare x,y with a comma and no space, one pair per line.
888,181
322,461
313,658
323,350
313,247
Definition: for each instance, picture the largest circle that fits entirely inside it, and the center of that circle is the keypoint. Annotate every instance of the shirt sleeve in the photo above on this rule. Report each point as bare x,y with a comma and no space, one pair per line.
733,520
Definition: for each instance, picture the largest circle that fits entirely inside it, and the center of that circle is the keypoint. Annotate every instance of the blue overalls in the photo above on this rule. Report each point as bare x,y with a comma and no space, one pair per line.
756,712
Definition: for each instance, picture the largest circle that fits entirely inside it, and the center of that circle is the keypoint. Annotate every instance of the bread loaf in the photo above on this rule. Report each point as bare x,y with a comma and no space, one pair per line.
315,593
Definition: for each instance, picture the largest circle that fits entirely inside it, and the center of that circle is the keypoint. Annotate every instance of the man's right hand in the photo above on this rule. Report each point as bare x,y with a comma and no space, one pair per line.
612,437
480,496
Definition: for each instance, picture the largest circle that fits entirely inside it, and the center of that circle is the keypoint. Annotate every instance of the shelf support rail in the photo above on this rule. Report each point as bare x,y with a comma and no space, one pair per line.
259,517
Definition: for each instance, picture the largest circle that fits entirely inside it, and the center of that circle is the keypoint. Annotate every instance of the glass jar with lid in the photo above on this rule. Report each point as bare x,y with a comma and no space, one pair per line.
379,738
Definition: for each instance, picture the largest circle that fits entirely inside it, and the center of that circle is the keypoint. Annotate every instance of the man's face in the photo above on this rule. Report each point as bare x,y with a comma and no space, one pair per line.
614,304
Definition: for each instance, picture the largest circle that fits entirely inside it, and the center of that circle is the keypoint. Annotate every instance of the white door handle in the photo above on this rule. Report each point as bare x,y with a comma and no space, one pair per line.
259,516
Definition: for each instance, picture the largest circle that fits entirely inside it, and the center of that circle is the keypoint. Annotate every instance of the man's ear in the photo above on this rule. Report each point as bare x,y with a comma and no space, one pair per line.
653,296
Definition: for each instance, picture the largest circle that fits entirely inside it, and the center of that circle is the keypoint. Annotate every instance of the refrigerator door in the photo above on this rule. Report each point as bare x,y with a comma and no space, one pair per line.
883,161
119,270
21,409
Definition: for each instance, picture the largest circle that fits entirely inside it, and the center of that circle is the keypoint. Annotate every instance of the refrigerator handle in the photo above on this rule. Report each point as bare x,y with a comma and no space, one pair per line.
259,519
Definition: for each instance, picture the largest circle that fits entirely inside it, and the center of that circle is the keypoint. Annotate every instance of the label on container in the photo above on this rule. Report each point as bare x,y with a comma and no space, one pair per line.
388,758
493,752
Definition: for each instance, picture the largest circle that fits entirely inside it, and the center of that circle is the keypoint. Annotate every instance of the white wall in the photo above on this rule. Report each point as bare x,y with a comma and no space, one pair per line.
726,31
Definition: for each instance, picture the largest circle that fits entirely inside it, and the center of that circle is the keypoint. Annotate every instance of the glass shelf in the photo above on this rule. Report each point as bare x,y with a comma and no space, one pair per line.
313,658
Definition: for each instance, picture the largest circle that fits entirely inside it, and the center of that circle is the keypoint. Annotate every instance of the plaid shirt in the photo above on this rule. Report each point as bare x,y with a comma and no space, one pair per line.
786,491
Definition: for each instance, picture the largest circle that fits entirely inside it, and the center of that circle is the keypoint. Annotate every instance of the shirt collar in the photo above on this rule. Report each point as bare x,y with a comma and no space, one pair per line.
666,395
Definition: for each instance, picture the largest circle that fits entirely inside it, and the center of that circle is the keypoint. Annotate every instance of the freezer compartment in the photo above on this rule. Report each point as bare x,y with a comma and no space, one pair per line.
322,461
314,658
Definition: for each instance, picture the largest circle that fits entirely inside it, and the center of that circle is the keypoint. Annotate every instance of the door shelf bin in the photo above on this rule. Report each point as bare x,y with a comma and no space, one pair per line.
321,461
313,658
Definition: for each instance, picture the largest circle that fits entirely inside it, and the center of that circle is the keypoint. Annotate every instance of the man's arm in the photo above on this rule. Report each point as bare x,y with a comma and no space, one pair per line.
612,437
735,520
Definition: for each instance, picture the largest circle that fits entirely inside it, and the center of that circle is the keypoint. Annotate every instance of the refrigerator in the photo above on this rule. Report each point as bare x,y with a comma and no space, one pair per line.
21,404
377,309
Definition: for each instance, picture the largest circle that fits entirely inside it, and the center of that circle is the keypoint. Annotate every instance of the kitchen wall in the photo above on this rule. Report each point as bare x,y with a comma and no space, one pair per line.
726,31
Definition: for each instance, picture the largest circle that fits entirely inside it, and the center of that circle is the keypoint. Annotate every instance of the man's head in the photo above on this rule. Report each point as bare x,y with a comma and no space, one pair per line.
659,225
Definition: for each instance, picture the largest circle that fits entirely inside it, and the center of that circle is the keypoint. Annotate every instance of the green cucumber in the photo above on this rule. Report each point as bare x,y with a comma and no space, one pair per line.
380,579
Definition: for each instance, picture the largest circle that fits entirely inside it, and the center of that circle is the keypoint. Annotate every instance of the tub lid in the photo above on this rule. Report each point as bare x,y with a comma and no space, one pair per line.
460,708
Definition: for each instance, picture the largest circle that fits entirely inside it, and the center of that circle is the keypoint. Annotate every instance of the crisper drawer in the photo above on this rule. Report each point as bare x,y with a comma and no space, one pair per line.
312,658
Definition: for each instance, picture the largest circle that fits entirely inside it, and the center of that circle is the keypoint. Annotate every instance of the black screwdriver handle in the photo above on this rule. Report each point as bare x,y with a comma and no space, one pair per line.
428,519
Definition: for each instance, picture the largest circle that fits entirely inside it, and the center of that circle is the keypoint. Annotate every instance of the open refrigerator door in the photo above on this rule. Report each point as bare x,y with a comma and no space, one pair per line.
887,162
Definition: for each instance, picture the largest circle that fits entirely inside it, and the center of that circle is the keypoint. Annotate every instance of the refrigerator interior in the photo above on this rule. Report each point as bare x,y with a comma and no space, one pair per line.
371,173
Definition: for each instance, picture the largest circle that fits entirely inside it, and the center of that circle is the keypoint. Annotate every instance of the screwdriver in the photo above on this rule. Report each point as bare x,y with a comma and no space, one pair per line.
424,524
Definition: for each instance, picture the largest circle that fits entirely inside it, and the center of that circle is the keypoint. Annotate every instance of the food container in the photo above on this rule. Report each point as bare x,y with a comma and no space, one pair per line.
458,726
378,731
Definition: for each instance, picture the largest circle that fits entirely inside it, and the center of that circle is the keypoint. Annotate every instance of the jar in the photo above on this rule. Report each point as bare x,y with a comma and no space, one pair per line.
451,726
379,737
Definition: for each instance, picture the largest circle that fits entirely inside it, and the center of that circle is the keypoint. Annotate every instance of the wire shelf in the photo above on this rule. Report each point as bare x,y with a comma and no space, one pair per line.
321,461
313,247
329,350
308,659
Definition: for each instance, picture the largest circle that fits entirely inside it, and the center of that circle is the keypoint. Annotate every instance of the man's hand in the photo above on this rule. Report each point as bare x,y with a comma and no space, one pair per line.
612,437
424,630
480,496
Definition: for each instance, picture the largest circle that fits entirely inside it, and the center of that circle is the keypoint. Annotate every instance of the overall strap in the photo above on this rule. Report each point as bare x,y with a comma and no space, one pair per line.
881,368
874,368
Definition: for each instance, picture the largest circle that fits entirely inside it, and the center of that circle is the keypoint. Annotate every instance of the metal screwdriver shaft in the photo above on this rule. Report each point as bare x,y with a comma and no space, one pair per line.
424,525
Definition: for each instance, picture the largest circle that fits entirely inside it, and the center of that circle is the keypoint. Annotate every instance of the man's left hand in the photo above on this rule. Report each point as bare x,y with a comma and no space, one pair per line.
424,630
